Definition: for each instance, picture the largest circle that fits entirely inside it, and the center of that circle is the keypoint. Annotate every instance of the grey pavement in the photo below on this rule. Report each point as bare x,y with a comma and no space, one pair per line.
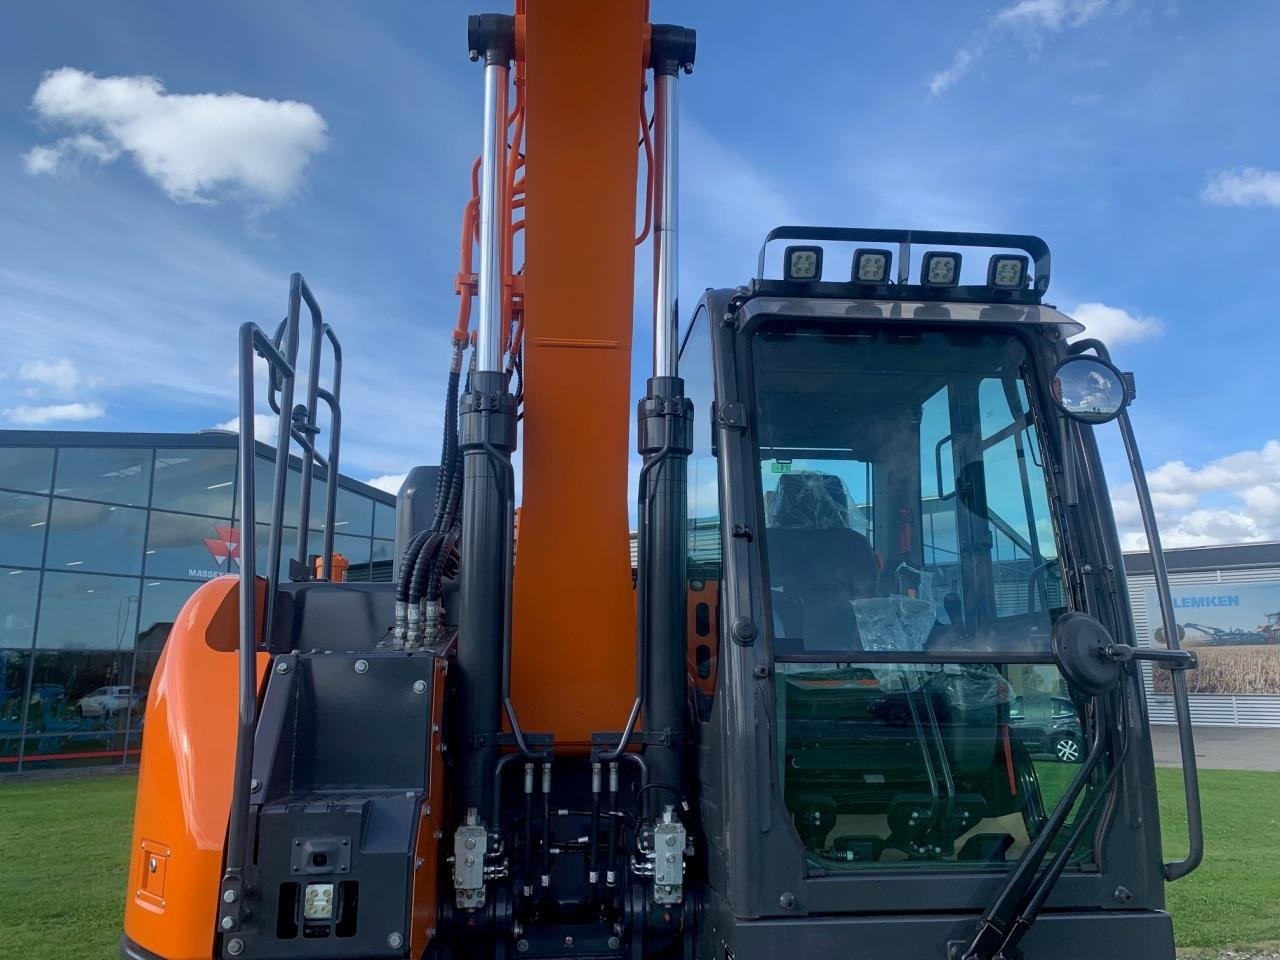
1221,748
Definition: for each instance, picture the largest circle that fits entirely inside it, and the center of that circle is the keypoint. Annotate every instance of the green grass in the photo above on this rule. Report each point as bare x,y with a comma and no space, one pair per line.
64,853
1234,898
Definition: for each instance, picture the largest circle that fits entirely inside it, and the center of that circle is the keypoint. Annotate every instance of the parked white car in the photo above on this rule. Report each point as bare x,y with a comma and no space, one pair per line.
106,702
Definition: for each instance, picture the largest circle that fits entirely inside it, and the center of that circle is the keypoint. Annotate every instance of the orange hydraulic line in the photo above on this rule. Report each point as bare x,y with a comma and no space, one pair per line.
648,158
508,243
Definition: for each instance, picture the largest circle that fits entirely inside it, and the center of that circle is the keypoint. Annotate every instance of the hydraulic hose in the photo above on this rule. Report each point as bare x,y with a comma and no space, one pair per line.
453,532
642,600
407,561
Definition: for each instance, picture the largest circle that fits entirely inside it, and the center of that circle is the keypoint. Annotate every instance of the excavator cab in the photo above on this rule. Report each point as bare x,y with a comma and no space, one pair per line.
912,524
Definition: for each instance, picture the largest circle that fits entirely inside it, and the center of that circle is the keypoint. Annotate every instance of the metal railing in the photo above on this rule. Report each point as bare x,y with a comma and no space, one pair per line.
295,423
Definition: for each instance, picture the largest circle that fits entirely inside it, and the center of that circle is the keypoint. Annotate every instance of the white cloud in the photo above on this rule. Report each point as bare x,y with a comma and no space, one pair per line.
61,374
264,426
1114,325
26,416
1031,21
1050,15
191,145
944,80
41,159
1243,187
391,482
1233,499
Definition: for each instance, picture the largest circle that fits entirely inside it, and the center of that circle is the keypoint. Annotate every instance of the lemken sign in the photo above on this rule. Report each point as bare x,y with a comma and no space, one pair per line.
1224,600
1235,635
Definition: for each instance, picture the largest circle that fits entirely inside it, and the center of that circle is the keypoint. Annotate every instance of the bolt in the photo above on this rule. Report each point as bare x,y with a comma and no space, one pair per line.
760,672
671,858
470,861
229,896
671,839
568,942
395,941
228,923
419,686
1123,894
235,947
282,666
255,786
787,901
470,843
614,943
152,865
362,666
522,946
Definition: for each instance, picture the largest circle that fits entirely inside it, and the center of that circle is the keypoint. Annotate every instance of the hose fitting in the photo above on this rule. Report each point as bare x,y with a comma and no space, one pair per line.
431,622
415,627
400,633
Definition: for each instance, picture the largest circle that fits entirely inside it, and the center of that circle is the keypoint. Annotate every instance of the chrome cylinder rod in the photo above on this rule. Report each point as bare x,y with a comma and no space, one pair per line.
666,304
492,177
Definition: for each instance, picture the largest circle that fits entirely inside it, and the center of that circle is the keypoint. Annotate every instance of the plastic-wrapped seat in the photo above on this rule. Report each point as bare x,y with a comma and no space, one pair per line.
817,559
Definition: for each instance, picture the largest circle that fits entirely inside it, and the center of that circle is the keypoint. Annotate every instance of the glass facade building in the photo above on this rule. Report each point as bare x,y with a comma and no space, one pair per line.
103,537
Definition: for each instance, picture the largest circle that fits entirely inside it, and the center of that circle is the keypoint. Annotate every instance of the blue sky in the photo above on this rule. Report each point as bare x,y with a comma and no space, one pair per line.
140,224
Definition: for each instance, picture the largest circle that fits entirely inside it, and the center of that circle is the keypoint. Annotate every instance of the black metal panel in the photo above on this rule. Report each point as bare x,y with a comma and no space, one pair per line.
362,729
341,761
332,616
415,508
323,842
1134,935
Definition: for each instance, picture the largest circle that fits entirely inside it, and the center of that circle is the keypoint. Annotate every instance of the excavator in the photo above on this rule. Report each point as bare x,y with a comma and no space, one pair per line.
871,521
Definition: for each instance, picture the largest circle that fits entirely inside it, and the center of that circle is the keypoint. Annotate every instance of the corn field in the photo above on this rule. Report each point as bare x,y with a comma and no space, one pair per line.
1241,670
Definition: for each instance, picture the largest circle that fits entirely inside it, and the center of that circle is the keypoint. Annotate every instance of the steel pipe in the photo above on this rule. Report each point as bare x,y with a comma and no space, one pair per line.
666,302
492,178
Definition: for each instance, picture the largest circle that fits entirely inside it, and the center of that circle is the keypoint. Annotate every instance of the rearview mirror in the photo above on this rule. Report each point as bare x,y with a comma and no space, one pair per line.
1080,647
1089,389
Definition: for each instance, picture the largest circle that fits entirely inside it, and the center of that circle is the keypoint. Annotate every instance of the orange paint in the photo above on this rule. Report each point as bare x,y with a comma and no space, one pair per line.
184,782
427,849
573,667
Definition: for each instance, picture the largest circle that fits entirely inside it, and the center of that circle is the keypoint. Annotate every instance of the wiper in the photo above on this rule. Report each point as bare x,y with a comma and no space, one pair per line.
1013,912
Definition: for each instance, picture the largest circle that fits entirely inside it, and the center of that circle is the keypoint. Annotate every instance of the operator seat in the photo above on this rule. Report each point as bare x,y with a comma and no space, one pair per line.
817,563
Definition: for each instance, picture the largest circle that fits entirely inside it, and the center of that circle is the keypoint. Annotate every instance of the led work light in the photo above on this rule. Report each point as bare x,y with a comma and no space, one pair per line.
940,269
803,263
1007,271
871,266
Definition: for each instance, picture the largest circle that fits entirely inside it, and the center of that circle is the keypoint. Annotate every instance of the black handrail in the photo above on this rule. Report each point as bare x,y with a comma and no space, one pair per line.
281,353
320,331
1181,702
253,340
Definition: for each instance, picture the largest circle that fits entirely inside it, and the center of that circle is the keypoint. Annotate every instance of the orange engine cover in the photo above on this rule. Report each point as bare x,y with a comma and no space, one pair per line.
184,784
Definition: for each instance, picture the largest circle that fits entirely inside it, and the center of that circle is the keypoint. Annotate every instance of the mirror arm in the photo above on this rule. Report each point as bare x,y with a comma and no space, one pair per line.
1168,659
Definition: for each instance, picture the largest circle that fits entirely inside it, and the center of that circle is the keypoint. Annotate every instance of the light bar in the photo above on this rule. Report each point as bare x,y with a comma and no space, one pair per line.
871,266
940,269
1007,271
802,263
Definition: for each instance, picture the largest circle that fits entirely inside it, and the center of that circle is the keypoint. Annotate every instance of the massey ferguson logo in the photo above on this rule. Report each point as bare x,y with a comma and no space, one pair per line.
224,547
